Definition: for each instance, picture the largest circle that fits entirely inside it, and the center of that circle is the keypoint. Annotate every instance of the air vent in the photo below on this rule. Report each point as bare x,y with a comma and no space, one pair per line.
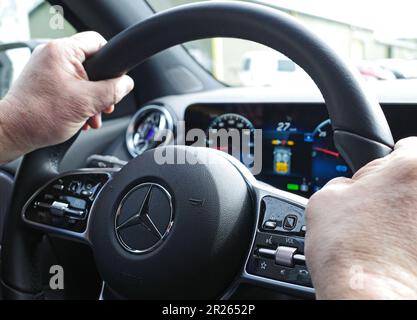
151,127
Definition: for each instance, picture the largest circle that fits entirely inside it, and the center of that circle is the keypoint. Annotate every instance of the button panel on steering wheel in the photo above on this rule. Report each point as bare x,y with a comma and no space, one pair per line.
65,202
278,250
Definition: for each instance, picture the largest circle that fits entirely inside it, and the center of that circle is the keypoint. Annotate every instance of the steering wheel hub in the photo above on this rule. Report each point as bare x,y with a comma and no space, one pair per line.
172,231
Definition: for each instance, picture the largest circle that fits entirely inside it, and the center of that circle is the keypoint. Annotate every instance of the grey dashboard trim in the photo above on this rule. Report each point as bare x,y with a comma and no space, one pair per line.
394,92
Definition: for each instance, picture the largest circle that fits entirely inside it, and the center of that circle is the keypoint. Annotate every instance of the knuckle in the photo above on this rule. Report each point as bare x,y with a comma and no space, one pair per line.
77,52
407,165
369,167
97,35
119,93
107,95
53,48
316,201
338,181
38,49
327,196
410,142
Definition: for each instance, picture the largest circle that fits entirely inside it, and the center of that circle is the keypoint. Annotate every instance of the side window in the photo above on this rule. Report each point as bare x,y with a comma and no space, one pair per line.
30,19
49,22
22,20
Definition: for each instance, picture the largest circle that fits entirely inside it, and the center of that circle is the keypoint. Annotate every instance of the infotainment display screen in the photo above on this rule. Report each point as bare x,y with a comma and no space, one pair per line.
298,153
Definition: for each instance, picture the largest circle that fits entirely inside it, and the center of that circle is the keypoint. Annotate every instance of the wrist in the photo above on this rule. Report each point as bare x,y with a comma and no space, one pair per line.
14,138
359,283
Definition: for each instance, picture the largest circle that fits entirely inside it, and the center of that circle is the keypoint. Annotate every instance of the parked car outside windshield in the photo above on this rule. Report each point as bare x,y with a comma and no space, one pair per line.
380,45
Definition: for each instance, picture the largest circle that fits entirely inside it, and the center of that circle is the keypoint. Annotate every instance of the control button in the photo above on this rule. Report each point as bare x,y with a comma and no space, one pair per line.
304,277
263,265
58,208
270,225
73,187
87,193
42,205
89,186
303,229
48,197
58,187
89,189
266,253
299,259
74,213
75,203
267,240
284,256
72,221
290,222
273,241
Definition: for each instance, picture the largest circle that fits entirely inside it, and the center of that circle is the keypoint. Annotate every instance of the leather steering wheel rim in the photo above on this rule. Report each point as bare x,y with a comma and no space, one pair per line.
361,131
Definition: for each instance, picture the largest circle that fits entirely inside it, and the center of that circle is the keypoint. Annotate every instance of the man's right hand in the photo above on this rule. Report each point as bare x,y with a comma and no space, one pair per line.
362,231
53,98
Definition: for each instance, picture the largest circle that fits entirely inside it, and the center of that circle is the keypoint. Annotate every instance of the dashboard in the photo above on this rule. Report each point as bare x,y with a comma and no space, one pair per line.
298,154
287,144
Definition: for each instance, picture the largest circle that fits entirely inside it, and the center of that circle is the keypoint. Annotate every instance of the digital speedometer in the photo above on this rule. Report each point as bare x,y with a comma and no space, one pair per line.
231,121
233,134
296,148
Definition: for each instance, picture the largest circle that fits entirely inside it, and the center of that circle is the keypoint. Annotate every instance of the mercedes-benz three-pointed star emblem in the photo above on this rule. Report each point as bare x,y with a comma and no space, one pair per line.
143,218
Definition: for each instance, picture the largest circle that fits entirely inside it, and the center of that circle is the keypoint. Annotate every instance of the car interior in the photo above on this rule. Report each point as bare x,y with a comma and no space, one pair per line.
124,226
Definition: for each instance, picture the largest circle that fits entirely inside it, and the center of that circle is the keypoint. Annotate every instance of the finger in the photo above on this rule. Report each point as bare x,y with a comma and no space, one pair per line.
86,127
89,42
407,143
109,92
95,122
38,49
109,110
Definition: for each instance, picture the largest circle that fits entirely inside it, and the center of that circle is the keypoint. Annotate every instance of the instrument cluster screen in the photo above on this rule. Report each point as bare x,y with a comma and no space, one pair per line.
298,153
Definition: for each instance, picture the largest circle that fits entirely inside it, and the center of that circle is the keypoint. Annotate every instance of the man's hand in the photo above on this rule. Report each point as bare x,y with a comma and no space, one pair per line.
361,233
53,98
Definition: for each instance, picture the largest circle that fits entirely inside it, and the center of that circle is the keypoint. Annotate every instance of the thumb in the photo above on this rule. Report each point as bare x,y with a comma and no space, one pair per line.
107,93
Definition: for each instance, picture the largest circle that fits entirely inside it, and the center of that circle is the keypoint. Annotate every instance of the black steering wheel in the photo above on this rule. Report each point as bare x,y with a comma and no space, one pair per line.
183,230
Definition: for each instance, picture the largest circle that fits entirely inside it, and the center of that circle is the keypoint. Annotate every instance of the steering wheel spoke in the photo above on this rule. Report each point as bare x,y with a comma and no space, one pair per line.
62,206
276,259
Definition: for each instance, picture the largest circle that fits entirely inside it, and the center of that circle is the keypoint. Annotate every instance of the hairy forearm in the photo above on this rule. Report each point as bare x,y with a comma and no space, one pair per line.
12,132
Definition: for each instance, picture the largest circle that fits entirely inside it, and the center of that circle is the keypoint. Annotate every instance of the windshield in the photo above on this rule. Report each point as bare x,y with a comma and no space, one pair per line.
379,38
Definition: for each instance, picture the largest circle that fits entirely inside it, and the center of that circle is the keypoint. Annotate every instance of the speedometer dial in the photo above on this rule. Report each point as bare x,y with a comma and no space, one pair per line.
231,121
233,134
